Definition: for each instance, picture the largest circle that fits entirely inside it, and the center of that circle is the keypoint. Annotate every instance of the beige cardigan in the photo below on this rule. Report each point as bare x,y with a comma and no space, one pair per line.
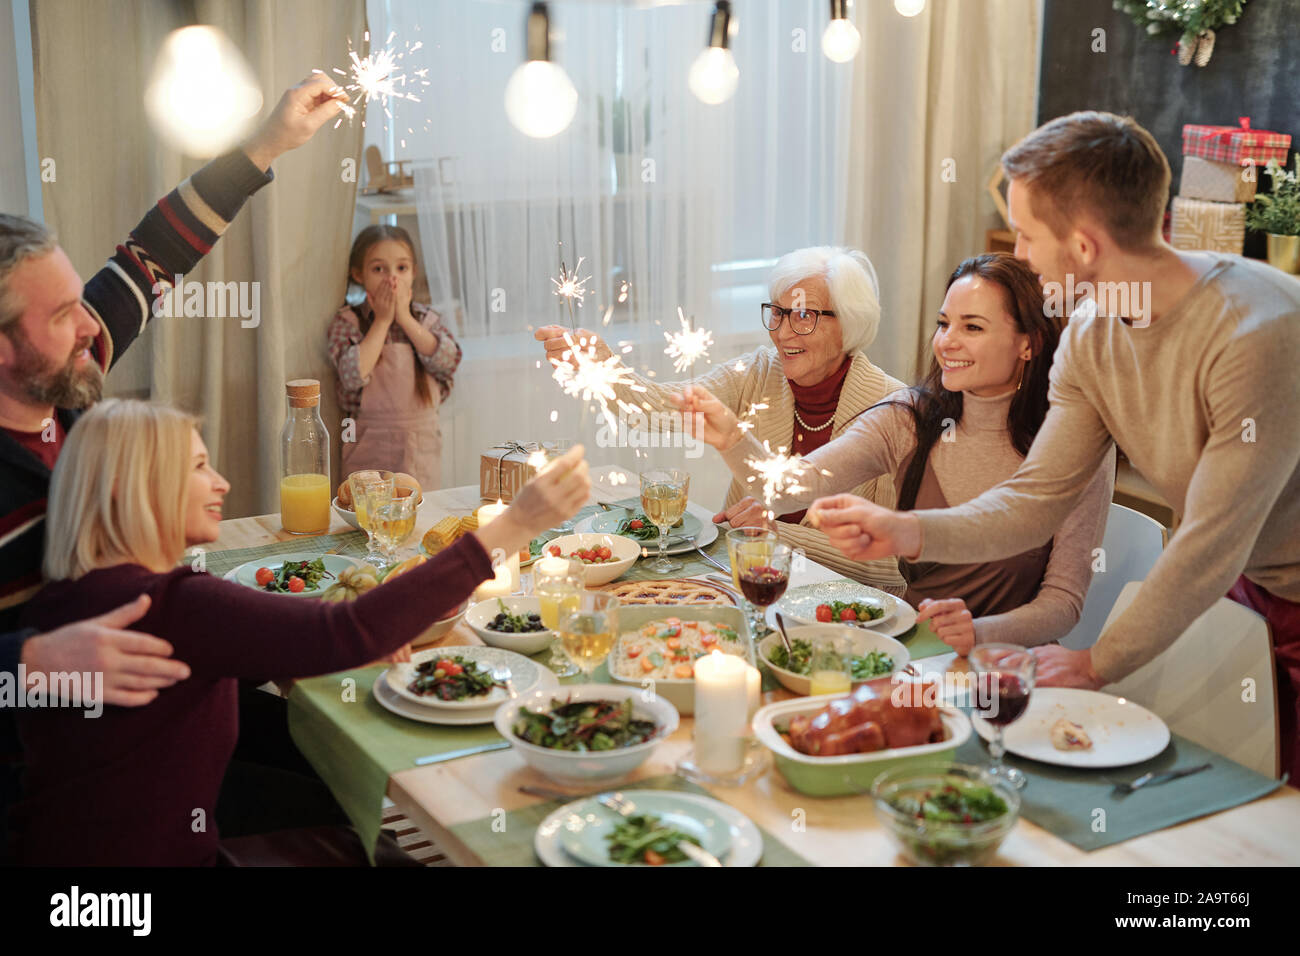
763,381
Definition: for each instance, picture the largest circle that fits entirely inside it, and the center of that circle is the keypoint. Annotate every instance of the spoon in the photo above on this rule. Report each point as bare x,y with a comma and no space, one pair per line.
785,638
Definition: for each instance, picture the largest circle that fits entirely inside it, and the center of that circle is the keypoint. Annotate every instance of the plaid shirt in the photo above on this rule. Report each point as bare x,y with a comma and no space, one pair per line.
344,346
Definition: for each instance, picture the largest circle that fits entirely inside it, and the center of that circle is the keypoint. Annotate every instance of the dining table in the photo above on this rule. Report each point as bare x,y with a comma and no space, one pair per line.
452,800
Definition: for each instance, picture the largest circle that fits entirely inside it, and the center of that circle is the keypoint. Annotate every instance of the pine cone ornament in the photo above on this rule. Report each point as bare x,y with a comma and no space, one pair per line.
1204,47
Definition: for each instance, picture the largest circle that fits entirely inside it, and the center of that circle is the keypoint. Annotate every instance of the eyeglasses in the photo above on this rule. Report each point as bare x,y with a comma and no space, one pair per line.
802,321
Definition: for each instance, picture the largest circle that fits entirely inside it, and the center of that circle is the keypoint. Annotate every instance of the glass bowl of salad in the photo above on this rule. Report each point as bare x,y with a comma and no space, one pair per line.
945,815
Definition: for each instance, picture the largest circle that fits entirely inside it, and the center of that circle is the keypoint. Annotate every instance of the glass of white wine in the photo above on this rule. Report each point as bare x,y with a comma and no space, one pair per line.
664,494
557,582
589,630
393,524
370,489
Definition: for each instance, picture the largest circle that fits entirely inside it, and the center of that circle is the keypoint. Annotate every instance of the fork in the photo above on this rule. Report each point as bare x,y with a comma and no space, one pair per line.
501,674
1151,779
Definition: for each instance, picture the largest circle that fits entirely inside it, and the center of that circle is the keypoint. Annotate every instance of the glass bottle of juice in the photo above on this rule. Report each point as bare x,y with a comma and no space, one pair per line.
304,461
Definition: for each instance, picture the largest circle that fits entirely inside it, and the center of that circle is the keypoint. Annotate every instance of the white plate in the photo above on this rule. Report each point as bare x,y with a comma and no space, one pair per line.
1122,732
524,674
246,573
746,841
708,533
900,620
390,700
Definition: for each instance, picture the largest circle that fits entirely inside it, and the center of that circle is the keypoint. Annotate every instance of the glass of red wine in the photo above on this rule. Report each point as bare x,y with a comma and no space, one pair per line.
1004,678
764,581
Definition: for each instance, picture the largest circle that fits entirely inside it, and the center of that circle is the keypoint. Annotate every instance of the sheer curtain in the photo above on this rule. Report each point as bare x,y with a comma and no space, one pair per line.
670,202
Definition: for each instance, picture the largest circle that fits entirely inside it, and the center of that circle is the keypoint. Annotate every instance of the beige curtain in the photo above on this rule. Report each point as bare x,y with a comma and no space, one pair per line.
942,93
92,63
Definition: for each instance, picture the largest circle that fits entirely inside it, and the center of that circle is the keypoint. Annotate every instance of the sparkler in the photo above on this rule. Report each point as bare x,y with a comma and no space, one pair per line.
570,286
591,379
379,76
689,345
779,472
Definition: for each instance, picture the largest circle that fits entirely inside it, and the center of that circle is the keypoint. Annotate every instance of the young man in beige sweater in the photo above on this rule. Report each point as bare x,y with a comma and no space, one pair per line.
1194,375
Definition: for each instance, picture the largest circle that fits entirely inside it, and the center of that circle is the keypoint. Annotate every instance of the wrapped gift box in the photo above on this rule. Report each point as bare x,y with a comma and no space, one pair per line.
1238,145
504,469
1217,182
1200,224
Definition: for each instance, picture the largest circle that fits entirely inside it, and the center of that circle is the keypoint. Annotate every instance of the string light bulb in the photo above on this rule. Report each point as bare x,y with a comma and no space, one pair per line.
841,40
540,98
714,74
909,8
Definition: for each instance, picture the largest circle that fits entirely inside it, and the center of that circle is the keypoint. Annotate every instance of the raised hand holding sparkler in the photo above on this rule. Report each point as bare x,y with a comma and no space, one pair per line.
302,110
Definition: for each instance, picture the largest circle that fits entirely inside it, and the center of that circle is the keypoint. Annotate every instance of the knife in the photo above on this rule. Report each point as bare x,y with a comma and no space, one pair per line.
467,752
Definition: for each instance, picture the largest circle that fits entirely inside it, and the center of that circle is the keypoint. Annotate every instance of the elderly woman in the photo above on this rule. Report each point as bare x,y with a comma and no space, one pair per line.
814,379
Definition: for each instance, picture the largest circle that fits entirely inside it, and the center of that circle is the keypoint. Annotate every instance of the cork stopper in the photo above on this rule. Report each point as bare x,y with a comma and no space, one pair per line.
303,392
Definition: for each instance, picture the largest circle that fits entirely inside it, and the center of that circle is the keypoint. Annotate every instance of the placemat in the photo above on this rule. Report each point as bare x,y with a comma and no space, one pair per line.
513,844
221,563
1079,806
355,744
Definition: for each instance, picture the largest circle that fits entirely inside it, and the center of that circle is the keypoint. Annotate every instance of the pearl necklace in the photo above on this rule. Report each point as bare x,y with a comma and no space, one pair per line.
807,427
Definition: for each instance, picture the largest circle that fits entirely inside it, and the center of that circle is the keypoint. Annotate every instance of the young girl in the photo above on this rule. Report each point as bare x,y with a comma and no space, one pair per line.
966,427
386,351
132,490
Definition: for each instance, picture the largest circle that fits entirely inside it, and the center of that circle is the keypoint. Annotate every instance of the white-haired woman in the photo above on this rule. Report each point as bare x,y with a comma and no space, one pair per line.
823,313
132,490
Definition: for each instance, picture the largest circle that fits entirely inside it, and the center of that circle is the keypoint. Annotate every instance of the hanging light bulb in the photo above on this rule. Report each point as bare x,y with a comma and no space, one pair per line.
909,8
540,98
841,40
714,74
202,96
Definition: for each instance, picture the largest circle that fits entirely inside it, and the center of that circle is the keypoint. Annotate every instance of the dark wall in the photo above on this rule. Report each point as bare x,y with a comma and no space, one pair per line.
1255,72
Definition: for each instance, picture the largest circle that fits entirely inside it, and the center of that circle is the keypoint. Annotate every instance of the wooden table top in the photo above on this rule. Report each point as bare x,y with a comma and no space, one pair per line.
840,831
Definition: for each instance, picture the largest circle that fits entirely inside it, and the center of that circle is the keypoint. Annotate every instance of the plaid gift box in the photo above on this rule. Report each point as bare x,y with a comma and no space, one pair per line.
1238,145
1217,182
1217,226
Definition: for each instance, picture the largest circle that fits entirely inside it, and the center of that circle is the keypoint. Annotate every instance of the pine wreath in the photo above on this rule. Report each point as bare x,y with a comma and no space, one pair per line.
1193,20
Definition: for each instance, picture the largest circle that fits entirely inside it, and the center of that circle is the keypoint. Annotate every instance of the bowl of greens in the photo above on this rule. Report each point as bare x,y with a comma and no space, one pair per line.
586,733
870,655
514,623
953,815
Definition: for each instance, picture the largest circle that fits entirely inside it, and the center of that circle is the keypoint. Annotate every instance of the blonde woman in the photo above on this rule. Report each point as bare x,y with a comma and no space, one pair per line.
132,490
813,381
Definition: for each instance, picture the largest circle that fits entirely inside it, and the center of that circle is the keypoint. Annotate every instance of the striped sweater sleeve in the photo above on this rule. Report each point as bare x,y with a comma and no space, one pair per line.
169,241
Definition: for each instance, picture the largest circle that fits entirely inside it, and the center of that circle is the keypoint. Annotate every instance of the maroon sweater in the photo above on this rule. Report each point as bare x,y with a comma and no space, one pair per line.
123,789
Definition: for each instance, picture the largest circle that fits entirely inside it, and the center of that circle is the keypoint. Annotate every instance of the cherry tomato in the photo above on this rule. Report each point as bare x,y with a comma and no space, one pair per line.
265,576
454,669
848,614
605,553
296,584
636,524
555,550
653,859
445,664
633,651
823,612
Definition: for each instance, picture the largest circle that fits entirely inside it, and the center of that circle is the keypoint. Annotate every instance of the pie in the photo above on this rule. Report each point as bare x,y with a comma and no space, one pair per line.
669,591
1067,735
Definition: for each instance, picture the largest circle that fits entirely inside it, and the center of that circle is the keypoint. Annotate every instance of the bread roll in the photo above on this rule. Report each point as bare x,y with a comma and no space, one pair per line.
345,495
401,480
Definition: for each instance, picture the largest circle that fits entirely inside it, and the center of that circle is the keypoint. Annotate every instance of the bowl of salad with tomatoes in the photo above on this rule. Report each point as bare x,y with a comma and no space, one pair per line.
604,557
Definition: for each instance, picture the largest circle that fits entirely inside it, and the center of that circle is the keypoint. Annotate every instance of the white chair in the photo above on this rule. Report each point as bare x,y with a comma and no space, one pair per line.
1131,545
1196,686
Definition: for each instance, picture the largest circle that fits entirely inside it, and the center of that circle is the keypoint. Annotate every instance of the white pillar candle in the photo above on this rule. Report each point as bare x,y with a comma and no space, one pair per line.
552,565
754,682
721,712
498,587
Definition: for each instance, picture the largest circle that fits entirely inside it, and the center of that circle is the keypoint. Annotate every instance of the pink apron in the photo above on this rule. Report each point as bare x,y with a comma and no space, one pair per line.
395,432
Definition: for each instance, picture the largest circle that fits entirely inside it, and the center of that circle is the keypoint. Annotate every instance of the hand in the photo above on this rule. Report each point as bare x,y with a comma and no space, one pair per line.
558,349
384,302
951,622
748,512
554,495
134,665
402,297
400,656
862,530
1060,667
302,110
707,418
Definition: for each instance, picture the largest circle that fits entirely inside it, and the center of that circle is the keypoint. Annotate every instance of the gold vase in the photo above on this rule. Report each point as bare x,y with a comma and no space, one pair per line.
1284,253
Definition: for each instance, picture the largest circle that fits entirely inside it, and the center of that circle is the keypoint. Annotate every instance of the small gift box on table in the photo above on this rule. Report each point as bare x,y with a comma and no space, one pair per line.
504,469
1217,182
1237,145
1199,224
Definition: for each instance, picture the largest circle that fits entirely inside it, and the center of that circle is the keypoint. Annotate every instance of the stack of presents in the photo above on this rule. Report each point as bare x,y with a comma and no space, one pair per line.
1221,169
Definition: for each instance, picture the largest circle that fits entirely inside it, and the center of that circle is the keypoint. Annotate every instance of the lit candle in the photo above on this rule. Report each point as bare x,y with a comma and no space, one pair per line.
498,587
553,565
488,512
722,692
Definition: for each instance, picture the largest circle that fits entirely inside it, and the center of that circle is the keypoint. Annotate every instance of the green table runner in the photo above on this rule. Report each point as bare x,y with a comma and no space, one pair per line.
512,844
1078,805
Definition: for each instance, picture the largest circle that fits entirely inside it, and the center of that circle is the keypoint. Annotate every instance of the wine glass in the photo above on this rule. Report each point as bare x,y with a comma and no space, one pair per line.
764,573
663,499
589,630
746,546
1004,678
393,523
557,582
370,489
